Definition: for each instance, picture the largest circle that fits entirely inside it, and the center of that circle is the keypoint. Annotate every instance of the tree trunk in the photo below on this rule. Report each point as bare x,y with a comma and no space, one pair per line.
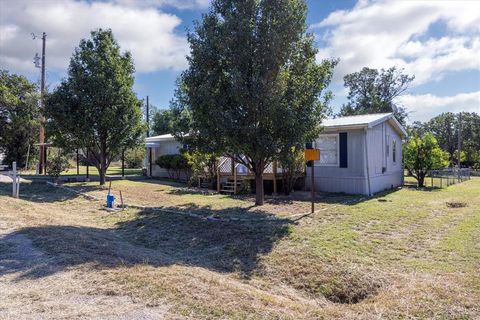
421,180
259,193
103,168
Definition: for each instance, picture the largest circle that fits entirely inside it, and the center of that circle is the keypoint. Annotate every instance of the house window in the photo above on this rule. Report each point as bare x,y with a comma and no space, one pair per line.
328,145
394,151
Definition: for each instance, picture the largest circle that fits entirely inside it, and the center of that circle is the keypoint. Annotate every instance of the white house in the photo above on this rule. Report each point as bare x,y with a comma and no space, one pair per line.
358,155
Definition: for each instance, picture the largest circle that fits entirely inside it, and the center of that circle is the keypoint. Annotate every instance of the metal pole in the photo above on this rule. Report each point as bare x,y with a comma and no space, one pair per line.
313,186
123,163
148,118
88,165
28,155
78,169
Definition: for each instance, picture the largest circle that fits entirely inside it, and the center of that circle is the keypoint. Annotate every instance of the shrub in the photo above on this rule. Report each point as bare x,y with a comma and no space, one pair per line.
292,162
57,165
175,164
134,157
203,165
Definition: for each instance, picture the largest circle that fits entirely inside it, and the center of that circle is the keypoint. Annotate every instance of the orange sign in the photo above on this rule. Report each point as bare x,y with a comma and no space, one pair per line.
312,154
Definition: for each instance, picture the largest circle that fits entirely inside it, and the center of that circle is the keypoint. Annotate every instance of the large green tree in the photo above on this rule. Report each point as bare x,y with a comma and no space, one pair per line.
252,81
422,154
162,122
374,91
446,126
19,116
95,108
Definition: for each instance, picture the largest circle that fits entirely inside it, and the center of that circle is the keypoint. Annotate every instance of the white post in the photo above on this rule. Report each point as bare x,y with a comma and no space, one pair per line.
18,187
14,179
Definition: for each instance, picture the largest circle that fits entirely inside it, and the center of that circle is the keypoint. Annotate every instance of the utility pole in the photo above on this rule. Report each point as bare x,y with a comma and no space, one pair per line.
148,135
41,138
459,147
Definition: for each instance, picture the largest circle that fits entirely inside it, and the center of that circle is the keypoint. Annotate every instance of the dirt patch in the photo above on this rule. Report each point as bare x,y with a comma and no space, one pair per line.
336,282
456,204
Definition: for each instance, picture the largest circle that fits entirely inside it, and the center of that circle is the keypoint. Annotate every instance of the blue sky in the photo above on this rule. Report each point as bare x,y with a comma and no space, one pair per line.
437,41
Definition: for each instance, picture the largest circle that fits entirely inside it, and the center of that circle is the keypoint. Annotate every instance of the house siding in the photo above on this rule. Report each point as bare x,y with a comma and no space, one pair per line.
348,180
384,172
165,147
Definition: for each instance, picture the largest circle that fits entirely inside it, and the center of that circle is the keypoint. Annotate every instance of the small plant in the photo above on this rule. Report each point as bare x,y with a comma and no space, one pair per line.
57,165
292,162
134,157
175,164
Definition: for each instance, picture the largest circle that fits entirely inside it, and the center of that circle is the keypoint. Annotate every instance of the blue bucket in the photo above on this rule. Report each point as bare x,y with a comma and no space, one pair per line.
110,200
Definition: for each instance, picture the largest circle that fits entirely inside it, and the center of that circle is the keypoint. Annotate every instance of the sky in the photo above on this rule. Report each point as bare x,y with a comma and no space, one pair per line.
437,41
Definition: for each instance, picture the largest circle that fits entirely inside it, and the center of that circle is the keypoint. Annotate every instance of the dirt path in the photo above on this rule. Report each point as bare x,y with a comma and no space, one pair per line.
34,285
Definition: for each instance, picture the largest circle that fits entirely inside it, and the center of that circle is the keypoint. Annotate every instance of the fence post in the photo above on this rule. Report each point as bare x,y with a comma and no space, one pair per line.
14,179
18,187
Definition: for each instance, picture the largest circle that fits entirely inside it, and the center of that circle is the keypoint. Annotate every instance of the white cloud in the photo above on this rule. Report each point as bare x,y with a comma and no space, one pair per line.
148,33
423,107
383,33
179,4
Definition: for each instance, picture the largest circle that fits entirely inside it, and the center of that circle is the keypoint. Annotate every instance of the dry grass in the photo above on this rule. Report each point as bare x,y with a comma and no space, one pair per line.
405,254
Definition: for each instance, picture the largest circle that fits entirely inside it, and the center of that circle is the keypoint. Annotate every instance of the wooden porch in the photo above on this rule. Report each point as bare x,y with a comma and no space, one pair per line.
233,172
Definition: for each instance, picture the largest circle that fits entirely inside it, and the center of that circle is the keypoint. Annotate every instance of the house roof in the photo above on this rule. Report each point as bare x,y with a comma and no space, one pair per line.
364,121
163,137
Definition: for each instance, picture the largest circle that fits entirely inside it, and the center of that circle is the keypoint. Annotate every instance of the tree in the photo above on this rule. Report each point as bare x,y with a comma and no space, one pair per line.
95,108
252,77
162,122
19,116
422,154
374,91
445,128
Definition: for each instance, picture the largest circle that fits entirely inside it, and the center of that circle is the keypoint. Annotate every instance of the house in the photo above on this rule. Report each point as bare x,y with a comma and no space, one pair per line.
156,147
358,155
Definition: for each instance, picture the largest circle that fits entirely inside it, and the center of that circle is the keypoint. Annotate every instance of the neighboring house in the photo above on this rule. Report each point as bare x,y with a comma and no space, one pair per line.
160,145
359,154
346,146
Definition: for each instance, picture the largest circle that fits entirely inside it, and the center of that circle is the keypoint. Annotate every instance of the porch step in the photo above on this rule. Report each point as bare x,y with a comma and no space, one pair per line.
229,187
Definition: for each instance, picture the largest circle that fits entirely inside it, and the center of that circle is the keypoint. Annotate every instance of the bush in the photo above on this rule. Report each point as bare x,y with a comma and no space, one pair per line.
134,157
203,165
292,162
57,165
175,164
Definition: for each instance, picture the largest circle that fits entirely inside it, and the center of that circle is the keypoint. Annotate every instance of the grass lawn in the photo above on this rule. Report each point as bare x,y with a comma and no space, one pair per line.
82,170
404,254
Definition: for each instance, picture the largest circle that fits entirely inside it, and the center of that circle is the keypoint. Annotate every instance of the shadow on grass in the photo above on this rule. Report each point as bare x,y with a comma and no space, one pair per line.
151,238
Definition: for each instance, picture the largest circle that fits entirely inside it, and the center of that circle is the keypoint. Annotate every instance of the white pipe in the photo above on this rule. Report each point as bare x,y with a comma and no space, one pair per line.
18,186
14,179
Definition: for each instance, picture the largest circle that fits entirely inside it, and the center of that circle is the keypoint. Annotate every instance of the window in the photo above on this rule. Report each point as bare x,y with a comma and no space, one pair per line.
328,145
394,151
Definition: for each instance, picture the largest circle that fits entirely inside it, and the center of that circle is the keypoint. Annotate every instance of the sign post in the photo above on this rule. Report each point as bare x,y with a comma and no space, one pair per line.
311,155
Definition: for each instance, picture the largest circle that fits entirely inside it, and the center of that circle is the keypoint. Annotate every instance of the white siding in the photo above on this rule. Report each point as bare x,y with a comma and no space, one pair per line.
165,147
348,180
384,173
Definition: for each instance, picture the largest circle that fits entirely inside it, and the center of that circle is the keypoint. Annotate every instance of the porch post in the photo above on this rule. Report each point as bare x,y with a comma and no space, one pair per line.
275,177
218,179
